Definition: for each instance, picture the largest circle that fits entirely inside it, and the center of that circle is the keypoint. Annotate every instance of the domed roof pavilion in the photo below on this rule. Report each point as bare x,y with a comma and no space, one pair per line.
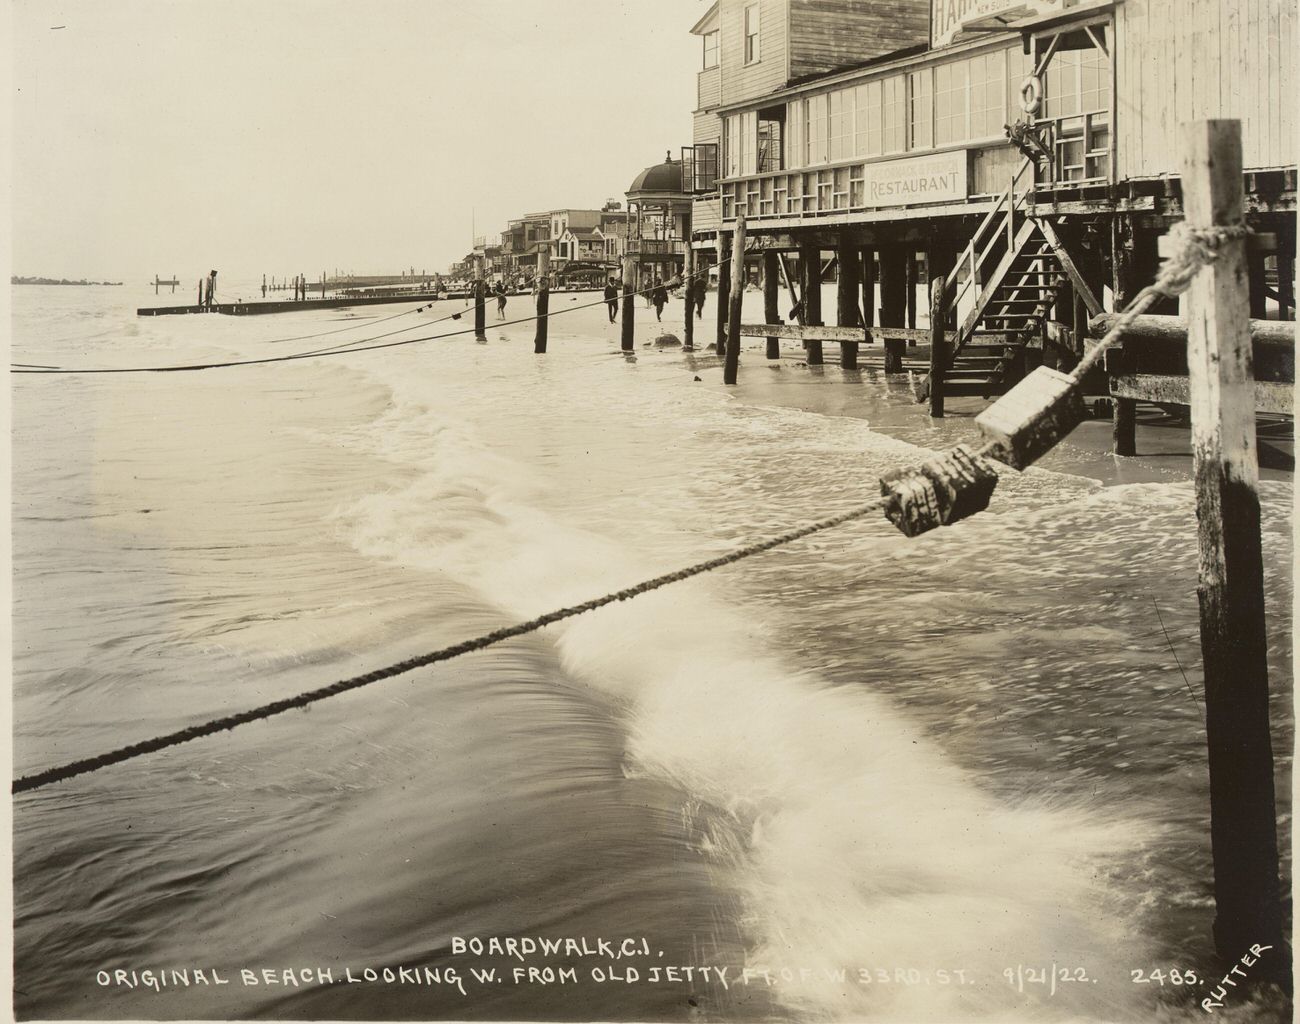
659,216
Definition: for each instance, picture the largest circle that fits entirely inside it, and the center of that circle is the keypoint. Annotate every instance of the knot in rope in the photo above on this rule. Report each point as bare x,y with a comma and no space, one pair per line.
1192,249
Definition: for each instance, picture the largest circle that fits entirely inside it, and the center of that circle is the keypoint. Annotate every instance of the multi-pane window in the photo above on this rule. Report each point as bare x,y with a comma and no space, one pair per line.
741,136
894,114
841,114
988,94
951,85
751,33
796,117
817,129
922,110
866,120
1078,81
711,49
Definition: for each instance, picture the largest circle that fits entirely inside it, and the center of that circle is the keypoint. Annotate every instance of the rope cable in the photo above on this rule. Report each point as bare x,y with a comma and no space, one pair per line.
227,722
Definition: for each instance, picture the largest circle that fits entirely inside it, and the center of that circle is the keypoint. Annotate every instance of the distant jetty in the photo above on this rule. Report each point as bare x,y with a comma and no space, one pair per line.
63,280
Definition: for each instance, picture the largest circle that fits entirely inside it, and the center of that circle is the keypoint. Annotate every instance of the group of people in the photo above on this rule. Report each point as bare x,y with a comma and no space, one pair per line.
657,296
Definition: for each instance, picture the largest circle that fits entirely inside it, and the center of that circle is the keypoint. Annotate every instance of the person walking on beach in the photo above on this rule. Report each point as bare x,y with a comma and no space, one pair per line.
659,296
701,286
501,300
611,298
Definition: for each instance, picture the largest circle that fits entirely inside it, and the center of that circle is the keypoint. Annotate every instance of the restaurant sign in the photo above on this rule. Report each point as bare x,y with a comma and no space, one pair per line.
937,178
948,17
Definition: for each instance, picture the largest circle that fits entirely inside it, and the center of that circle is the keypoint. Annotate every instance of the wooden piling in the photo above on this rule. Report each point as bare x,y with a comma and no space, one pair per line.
724,291
543,301
912,277
868,274
688,326
810,273
1119,362
846,302
480,303
938,345
1243,825
735,299
893,302
629,303
771,298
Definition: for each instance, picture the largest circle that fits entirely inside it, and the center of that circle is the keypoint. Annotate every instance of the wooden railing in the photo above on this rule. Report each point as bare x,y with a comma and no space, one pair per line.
998,221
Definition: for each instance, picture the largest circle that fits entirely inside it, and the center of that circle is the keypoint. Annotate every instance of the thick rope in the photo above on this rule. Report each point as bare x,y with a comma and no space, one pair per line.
193,732
1193,248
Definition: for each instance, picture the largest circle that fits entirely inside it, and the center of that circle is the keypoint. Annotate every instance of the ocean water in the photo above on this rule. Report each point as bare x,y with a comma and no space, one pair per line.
860,777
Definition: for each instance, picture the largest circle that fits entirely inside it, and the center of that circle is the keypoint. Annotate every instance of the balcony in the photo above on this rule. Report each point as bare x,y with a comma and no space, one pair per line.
656,246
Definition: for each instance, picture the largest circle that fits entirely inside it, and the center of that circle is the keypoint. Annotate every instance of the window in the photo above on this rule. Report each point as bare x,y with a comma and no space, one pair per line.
894,114
866,120
817,129
841,128
706,167
952,102
710,49
751,34
922,110
796,116
988,110
742,134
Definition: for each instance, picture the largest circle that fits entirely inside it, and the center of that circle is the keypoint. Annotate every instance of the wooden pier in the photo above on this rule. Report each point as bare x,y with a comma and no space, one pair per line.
287,306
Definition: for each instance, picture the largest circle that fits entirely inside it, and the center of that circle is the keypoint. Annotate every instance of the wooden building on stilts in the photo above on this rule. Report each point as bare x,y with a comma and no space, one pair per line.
1023,150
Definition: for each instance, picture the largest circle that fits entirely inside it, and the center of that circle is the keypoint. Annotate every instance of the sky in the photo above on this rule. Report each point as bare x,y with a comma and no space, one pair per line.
173,136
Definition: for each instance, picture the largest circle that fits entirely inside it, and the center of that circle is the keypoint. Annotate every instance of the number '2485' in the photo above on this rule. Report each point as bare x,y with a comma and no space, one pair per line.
1159,976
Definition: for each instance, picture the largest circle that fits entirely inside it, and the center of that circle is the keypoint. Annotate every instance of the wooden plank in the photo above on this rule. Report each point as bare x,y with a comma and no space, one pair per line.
866,335
1174,328
1234,643
1270,396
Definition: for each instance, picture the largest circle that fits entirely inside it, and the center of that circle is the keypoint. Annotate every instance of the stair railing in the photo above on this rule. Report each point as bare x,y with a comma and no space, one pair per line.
979,247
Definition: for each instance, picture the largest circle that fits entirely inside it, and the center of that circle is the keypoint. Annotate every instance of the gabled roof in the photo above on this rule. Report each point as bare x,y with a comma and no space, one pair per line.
699,27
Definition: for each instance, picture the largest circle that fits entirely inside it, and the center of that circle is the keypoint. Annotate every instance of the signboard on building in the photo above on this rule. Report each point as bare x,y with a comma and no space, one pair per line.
937,178
948,17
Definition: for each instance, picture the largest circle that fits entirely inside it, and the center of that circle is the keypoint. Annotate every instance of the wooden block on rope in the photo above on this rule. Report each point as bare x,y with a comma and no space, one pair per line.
1029,420
941,491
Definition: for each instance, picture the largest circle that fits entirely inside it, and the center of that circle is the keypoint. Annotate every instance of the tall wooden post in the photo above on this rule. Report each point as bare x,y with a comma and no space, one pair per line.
868,287
912,276
938,345
810,273
629,303
771,298
543,301
846,302
688,326
724,291
893,302
480,302
735,299
1124,424
1243,825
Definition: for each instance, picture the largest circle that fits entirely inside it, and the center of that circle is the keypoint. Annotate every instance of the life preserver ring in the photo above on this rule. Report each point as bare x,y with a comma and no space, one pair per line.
1031,94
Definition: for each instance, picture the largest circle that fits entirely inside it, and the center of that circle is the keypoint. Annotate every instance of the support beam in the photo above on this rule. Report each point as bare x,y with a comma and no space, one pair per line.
732,364
627,338
810,270
912,277
868,267
938,346
893,302
771,300
724,291
1234,645
1124,421
543,301
846,302
688,327
480,302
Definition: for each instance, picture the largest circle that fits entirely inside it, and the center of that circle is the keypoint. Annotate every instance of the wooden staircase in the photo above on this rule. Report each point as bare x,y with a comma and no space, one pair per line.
1016,267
